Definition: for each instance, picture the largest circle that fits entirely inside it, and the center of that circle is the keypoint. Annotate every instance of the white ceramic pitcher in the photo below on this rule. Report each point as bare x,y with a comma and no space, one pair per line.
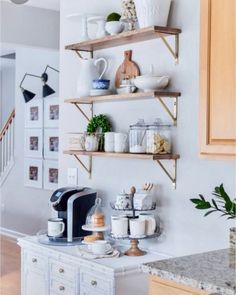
88,73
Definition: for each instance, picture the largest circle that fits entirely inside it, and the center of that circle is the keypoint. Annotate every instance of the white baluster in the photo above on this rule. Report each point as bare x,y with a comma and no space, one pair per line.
12,138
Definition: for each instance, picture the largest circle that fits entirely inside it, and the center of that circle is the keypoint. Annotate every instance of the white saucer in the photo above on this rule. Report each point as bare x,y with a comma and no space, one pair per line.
90,227
99,92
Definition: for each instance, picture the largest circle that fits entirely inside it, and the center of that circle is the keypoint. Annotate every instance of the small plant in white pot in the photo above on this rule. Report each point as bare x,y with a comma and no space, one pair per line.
224,205
113,25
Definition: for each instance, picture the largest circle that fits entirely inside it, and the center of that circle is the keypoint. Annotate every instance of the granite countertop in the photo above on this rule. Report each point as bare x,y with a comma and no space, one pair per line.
209,271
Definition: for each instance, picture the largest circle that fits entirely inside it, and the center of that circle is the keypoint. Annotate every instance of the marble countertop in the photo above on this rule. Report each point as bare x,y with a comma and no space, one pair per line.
209,271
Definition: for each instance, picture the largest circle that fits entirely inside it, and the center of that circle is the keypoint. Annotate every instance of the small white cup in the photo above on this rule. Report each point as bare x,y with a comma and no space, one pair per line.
150,223
109,142
137,227
121,145
56,227
119,226
99,247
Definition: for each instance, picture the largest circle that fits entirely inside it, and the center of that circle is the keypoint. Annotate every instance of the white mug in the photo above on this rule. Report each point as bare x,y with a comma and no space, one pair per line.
109,142
119,226
121,142
56,227
99,247
150,223
137,227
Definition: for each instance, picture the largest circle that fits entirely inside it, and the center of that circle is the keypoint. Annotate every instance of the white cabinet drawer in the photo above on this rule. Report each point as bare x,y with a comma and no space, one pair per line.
62,270
61,288
87,291
34,260
94,282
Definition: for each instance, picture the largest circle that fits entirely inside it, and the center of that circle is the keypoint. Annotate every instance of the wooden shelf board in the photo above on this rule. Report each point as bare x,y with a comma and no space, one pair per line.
123,155
124,38
123,97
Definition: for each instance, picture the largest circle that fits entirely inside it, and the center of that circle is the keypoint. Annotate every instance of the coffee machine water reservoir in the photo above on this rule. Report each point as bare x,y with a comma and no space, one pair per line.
72,205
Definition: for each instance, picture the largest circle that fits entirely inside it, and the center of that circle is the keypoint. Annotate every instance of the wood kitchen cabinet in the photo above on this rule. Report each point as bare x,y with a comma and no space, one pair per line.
218,79
158,286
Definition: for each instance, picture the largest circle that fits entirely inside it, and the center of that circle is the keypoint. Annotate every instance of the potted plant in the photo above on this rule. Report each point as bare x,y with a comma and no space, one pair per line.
113,24
94,138
224,205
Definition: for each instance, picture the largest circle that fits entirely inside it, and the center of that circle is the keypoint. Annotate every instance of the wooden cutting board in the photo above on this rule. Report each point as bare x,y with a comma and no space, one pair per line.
128,69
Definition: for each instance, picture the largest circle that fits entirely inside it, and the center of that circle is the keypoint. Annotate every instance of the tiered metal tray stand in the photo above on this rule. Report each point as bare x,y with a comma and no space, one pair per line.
134,250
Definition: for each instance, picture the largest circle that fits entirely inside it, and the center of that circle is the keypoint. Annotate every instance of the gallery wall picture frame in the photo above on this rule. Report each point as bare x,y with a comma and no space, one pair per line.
51,143
34,114
51,112
50,174
34,143
33,173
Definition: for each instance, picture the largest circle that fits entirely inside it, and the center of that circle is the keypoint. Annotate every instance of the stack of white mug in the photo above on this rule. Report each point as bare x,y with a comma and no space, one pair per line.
144,225
116,142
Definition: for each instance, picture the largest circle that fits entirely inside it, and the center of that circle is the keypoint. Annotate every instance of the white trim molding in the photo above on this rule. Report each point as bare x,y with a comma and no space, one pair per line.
11,233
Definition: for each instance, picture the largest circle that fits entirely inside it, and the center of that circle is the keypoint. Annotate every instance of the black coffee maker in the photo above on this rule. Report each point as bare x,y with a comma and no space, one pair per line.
72,205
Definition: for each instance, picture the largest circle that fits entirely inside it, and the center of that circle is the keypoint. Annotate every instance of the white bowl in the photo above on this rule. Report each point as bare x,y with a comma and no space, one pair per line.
151,83
115,27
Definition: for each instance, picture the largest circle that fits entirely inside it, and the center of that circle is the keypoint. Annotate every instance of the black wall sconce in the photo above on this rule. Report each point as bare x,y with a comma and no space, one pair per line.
46,91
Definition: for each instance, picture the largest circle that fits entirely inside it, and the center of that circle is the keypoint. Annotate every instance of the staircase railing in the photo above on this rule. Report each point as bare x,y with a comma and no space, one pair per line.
7,145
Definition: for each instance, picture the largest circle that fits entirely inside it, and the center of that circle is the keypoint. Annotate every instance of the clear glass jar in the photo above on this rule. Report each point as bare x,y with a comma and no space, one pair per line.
158,138
96,216
137,137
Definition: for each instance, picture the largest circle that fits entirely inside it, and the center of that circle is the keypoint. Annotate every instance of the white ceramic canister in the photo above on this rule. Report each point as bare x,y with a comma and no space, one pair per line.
123,201
109,142
137,227
150,223
121,142
119,226
152,12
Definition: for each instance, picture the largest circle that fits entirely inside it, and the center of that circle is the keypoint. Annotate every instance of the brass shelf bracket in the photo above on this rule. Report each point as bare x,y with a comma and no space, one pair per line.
174,52
173,114
87,169
172,178
82,112
78,52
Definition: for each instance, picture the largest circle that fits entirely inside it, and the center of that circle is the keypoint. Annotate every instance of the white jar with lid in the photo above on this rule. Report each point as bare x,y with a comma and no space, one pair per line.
137,137
158,138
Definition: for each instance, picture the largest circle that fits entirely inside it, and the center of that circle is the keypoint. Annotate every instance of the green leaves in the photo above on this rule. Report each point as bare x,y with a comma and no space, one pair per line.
99,121
222,203
201,204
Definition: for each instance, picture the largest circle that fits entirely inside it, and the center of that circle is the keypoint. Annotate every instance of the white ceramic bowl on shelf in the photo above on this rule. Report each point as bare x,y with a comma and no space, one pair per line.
115,27
151,83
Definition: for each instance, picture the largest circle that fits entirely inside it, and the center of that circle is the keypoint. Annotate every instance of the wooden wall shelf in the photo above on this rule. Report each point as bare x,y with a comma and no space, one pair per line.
129,97
157,158
135,36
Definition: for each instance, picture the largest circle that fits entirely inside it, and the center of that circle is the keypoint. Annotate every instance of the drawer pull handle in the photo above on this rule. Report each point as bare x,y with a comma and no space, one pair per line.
94,283
34,260
61,288
61,270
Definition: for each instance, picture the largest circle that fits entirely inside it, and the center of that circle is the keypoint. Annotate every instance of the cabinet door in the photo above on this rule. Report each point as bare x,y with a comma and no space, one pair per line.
35,283
218,78
84,290
158,286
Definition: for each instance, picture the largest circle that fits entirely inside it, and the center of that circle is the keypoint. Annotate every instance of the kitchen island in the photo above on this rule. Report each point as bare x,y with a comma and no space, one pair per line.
205,273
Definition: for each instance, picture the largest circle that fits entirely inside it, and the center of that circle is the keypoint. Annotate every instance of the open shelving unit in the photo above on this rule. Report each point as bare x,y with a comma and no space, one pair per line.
159,95
158,158
130,37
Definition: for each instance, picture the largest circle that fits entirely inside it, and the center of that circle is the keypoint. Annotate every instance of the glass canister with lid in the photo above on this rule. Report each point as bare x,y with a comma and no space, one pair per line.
137,137
158,138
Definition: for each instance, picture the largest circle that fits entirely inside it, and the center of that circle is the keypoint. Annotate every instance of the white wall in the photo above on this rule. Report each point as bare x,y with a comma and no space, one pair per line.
186,231
7,89
26,209
29,26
